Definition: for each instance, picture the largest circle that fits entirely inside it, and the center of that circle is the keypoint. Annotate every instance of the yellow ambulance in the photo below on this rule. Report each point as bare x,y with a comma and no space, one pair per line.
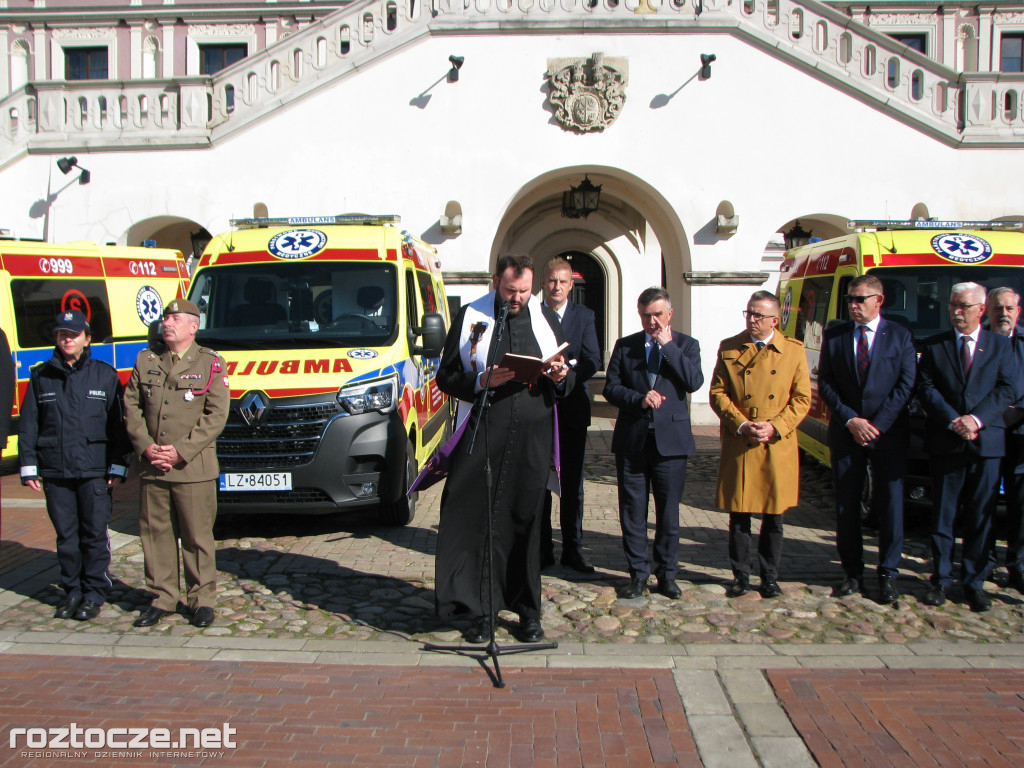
332,329
918,262
121,290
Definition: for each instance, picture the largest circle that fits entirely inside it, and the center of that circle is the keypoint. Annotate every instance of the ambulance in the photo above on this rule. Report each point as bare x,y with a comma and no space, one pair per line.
121,290
918,262
332,329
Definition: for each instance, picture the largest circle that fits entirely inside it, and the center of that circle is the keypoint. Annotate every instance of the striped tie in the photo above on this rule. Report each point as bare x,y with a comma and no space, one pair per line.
863,360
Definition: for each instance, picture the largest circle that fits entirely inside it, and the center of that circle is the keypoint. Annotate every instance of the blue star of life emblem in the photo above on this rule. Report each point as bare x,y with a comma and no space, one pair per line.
297,243
962,248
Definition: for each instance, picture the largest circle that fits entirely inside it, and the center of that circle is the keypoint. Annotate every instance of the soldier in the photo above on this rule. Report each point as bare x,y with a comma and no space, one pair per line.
177,405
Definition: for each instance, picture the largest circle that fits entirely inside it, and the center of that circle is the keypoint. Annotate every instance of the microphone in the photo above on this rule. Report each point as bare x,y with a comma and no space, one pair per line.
503,313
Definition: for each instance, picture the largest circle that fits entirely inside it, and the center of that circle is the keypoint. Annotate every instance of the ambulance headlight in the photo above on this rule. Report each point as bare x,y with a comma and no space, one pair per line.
380,395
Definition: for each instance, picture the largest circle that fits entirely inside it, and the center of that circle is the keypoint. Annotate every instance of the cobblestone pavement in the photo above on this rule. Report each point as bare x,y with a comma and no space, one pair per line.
344,578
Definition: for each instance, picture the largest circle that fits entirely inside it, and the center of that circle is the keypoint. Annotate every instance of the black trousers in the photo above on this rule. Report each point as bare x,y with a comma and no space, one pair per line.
572,441
769,544
80,513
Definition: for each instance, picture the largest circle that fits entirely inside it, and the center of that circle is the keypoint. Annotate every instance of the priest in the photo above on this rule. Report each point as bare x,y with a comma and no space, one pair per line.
517,436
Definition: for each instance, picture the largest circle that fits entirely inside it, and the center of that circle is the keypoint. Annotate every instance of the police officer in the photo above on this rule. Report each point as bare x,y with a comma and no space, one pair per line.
72,444
177,404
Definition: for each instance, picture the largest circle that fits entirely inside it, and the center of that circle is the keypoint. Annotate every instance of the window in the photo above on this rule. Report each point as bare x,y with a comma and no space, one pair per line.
1011,52
916,40
37,302
214,58
85,63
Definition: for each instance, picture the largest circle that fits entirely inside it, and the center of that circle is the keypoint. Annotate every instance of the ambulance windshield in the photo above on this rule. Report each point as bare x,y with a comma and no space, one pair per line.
302,304
917,297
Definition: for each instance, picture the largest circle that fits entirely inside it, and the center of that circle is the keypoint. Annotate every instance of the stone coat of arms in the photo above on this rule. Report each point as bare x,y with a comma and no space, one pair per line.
587,94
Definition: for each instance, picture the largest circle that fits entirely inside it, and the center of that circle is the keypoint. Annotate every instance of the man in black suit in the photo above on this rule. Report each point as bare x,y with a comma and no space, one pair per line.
866,376
966,379
1003,314
649,376
584,357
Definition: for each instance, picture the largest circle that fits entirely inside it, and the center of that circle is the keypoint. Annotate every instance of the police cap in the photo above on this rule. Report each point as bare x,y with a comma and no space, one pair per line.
72,320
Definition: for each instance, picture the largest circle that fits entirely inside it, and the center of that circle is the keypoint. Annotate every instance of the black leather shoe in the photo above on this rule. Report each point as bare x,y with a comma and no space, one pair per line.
635,588
770,587
978,599
87,611
935,596
740,587
849,586
530,630
887,592
577,563
669,589
203,617
151,616
1016,580
478,631
66,609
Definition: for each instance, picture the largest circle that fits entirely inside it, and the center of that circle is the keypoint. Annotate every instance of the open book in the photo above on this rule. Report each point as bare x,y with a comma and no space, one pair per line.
527,368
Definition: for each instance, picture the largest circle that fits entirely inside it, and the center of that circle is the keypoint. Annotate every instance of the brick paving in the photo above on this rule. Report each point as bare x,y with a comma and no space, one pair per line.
906,718
304,715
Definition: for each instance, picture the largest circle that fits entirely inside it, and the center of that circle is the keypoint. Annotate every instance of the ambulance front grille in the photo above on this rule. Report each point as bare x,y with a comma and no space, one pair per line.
286,436
298,496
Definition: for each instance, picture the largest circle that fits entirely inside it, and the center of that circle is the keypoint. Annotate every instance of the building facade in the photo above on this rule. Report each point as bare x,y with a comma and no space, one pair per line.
709,126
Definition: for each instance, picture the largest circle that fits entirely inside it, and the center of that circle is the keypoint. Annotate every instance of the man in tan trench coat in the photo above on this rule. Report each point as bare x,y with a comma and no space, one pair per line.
761,391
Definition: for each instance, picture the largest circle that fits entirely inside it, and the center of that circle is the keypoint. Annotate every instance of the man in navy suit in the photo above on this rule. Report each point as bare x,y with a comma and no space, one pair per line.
1003,314
966,379
866,376
584,356
649,376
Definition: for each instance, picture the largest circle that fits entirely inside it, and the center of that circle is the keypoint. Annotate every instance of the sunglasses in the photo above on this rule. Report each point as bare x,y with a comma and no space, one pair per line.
860,299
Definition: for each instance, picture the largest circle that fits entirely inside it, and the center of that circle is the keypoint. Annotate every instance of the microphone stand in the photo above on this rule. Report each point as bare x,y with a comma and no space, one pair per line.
492,649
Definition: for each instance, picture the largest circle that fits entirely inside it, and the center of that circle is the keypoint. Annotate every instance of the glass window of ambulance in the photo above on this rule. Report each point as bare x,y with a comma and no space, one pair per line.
315,304
812,310
917,296
36,302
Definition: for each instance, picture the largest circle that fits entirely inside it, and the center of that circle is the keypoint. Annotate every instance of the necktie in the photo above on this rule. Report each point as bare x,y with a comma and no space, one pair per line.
863,361
965,355
759,345
653,364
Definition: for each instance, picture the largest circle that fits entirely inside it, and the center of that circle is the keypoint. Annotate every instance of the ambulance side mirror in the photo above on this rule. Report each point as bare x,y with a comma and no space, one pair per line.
433,333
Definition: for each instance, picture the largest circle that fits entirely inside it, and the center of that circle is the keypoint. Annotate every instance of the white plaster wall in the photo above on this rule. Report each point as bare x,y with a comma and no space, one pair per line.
773,140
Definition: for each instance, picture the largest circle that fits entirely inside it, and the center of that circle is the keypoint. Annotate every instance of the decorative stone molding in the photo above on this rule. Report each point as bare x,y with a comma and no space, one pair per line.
1008,17
902,19
587,94
221,30
466,278
726,278
82,33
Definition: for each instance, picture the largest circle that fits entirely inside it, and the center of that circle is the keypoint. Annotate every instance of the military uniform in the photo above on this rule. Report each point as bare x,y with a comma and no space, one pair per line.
180,401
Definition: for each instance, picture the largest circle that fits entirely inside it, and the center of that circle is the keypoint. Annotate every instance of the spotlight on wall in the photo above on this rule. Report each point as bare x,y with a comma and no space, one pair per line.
457,62
705,65
66,164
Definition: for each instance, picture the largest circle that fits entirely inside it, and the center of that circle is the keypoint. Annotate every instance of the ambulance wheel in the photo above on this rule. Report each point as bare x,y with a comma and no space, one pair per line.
403,509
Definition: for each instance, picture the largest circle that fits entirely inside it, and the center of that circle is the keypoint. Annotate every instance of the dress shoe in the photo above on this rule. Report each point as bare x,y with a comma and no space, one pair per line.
202,617
935,596
740,587
978,599
634,588
887,592
575,561
669,589
770,587
1016,580
151,616
66,609
530,630
87,611
478,631
849,586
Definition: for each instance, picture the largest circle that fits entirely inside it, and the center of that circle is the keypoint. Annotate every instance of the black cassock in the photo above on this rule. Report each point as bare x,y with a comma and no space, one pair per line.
517,435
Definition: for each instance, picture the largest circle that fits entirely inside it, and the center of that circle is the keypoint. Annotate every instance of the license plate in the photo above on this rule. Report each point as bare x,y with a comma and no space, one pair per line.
256,481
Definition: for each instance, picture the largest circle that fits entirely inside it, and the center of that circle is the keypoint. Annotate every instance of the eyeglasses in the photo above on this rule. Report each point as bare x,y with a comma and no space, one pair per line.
757,317
963,307
851,299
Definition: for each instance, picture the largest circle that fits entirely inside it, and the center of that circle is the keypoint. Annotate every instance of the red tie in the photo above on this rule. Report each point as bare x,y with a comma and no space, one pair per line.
863,361
965,355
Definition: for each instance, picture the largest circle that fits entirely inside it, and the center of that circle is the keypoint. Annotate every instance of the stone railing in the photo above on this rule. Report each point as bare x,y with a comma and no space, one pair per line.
966,110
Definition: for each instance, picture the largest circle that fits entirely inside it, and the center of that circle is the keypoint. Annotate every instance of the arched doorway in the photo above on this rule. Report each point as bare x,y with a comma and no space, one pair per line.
589,288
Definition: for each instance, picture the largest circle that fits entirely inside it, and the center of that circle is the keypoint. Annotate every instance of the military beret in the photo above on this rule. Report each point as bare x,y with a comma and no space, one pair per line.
181,305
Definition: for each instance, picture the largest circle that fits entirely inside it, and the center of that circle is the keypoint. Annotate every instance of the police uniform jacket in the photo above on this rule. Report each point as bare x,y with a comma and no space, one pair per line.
184,404
72,421
771,385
